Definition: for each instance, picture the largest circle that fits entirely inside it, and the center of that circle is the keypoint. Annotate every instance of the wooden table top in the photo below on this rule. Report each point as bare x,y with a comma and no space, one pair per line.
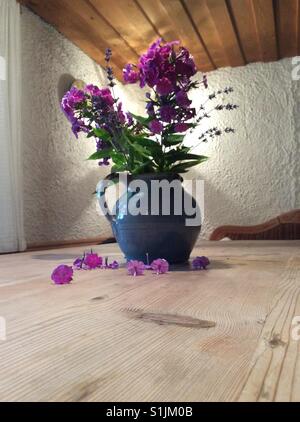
218,335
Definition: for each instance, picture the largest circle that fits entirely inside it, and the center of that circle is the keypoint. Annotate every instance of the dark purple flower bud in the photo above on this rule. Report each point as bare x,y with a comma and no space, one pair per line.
164,86
129,119
150,109
108,54
78,263
104,162
100,144
156,127
205,83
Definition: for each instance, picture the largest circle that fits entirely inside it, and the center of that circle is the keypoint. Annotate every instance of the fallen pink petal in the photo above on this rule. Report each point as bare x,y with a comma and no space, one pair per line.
160,266
63,274
92,261
200,262
135,268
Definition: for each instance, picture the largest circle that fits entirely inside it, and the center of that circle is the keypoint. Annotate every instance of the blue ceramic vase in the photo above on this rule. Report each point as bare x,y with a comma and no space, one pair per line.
153,236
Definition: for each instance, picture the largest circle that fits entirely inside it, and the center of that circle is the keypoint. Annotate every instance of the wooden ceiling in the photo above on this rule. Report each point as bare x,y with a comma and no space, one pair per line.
218,33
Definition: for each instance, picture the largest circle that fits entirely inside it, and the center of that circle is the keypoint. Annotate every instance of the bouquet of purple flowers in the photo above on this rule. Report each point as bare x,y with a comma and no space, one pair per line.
151,143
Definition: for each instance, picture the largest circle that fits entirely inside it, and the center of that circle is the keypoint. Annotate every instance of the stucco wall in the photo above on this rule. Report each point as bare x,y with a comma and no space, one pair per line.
250,177
58,182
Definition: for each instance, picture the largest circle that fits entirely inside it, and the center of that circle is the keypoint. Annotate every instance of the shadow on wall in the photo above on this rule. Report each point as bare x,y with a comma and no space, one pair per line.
217,206
64,84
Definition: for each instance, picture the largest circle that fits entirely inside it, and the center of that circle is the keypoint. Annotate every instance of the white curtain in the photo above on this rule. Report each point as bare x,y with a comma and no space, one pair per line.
11,206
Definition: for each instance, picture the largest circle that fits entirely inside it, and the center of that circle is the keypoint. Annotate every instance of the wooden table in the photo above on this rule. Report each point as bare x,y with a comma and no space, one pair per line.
218,335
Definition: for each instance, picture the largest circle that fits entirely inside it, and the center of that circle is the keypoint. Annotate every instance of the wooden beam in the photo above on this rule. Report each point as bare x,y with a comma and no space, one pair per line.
127,18
187,33
226,31
287,27
265,26
244,21
159,18
205,25
82,25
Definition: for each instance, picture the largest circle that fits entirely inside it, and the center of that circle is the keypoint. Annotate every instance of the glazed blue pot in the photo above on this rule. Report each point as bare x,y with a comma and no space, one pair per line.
152,236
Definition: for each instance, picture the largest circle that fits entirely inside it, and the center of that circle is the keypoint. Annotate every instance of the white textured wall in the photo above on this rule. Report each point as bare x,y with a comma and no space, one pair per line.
251,176
58,182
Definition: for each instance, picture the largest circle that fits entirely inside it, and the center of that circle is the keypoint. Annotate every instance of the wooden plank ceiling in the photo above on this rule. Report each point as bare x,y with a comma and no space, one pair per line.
218,32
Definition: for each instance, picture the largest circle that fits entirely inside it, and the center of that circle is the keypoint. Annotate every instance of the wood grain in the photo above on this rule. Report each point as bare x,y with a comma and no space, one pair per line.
218,335
186,32
217,32
287,18
129,21
265,26
244,20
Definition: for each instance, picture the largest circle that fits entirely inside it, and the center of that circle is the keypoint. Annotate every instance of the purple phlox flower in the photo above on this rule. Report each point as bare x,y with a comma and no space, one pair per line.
114,265
185,65
76,96
200,262
160,266
66,108
156,127
167,113
78,126
63,274
135,268
182,99
78,263
92,261
106,96
104,162
130,75
164,86
70,100
181,127
93,90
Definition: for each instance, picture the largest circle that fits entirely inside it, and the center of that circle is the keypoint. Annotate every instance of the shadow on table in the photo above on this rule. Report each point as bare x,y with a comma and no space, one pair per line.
215,265
54,256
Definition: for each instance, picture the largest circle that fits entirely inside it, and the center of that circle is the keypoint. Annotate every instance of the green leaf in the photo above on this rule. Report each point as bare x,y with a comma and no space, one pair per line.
144,121
183,167
118,168
118,158
98,155
102,134
173,140
182,155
